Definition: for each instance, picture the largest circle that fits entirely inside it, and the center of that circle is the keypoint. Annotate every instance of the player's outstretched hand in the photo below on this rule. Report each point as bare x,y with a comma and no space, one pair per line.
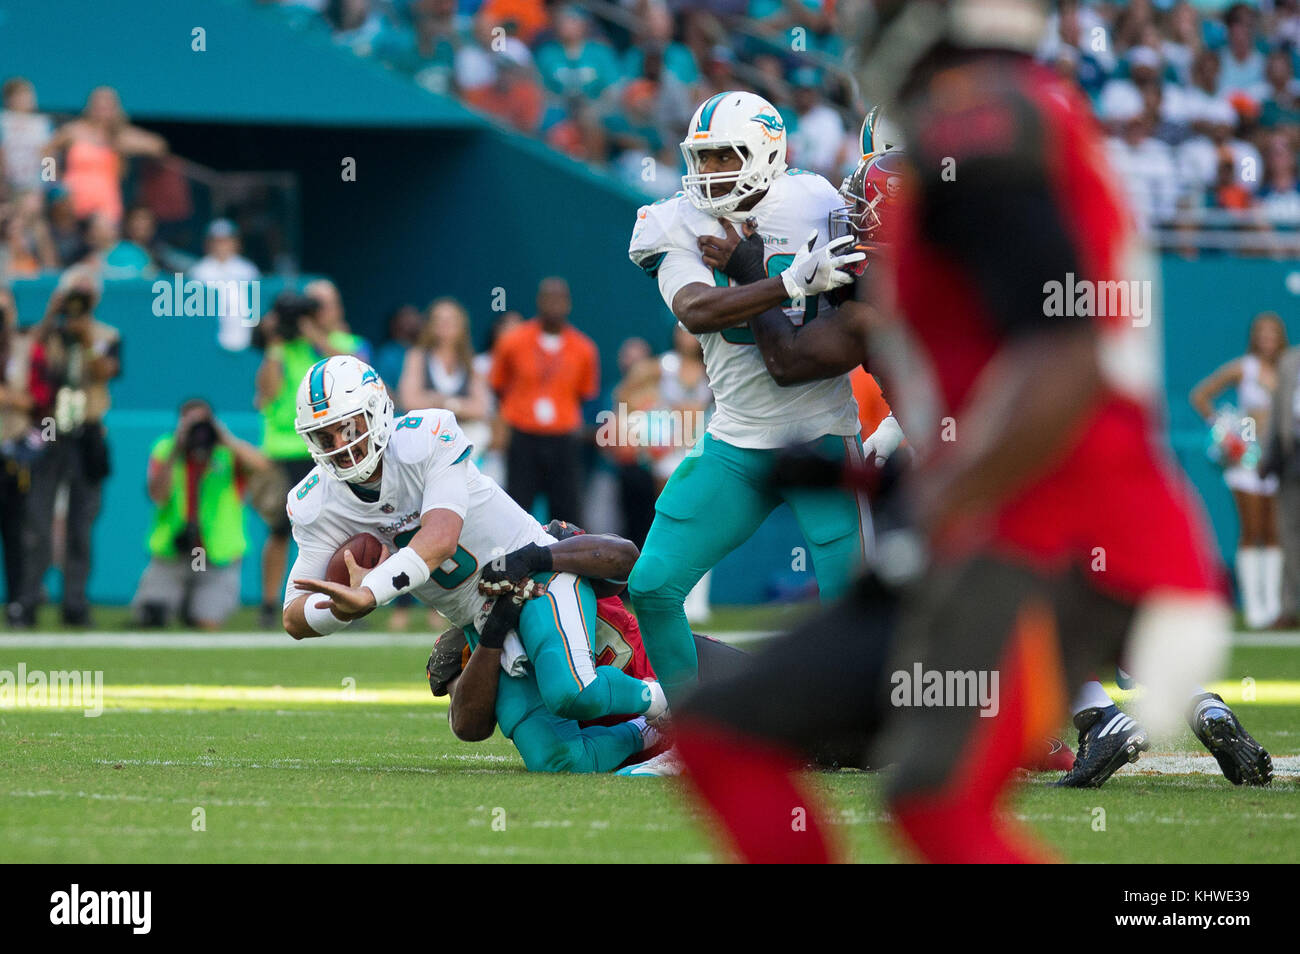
818,270
346,602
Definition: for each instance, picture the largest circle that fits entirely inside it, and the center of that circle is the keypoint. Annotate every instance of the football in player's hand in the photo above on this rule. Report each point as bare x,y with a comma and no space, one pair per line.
367,549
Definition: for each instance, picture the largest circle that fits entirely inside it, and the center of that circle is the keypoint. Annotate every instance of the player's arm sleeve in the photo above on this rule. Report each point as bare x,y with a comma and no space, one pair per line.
998,216
678,269
313,558
447,488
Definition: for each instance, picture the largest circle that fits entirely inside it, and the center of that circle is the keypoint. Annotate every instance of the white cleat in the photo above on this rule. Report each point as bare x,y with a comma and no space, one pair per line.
661,766
658,701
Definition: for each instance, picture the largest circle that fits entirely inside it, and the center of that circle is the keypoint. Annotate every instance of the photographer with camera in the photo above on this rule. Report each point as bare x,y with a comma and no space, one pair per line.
292,339
79,357
197,477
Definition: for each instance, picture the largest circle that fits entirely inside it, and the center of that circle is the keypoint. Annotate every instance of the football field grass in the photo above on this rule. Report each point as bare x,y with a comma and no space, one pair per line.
261,749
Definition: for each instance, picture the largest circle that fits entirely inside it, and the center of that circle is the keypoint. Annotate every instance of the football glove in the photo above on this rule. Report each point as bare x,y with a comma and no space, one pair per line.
446,661
815,271
745,264
503,572
884,440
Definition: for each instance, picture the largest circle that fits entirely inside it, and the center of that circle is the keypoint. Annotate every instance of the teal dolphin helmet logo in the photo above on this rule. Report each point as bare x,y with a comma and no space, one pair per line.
772,124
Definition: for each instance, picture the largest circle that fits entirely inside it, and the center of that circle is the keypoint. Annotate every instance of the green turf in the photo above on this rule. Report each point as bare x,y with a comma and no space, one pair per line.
351,760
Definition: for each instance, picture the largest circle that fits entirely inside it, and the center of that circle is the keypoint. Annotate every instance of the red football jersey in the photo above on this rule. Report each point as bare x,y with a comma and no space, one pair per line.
1114,502
617,642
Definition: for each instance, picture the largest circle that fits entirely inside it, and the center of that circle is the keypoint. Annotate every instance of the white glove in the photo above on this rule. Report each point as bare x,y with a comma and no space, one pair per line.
884,440
814,271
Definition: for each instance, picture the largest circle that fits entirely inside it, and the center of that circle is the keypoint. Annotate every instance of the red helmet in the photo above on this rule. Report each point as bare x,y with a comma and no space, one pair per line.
869,194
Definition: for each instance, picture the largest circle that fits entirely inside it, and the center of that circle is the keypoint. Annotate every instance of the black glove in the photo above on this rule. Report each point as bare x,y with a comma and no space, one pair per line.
503,617
446,660
515,566
746,264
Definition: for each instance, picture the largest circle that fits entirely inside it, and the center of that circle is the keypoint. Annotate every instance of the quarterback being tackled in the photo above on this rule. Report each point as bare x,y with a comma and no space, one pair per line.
411,483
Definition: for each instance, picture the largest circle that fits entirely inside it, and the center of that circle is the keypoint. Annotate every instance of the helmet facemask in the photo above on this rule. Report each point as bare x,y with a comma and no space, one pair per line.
339,451
742,183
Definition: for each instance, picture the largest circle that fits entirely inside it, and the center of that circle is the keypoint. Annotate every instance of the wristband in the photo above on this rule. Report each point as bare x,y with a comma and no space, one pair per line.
403,571
322,621
538,558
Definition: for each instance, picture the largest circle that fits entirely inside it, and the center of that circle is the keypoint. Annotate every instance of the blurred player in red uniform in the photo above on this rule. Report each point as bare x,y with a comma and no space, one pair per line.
1057,534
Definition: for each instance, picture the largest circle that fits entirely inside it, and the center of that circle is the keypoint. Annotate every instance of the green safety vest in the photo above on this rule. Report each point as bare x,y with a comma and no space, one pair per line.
221,512
279,440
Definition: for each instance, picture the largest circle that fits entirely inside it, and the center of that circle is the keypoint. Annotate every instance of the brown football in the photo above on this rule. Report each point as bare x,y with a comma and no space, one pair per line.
367,550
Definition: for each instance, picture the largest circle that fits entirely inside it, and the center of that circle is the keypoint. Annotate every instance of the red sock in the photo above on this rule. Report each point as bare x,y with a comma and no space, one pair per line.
751,787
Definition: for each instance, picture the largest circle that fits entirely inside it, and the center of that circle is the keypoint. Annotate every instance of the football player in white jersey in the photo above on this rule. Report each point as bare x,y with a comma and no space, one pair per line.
720,493
411,483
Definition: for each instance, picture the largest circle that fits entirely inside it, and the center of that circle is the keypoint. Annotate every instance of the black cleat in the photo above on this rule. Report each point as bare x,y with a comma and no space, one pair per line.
1242,759
1107,739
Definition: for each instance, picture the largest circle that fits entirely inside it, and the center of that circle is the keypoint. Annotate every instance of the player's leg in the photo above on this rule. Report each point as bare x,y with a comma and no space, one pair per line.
955,761
556,632
745,738
548,743
713,502
835,523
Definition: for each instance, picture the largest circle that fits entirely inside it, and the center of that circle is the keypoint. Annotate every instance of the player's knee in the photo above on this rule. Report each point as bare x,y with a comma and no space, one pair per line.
563,701
652,583
555,755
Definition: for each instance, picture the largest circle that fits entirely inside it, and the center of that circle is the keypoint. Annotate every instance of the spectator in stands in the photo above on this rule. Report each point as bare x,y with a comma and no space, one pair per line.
222,264
1279,198
428,53
66,231
1199,157
23,135
330,316
478,58
292,339
654,34
1280,93
1144,165
513,95
196,542
439,372
635,137
818,137
80,357
1078,29
404,324
95,148
1243,64
132,256
575,63
16,450
525,19
1202,97
1182,40
28,244
543,371
356,24
683,388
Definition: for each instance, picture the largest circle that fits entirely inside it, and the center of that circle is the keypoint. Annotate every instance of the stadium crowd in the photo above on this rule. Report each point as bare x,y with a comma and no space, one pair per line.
1200,99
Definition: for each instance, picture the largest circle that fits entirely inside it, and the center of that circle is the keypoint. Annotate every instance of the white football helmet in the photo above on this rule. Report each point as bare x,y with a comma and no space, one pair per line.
340,389
750,125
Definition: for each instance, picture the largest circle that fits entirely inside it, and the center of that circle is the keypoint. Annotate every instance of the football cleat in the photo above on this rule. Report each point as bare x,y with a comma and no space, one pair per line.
1107,739
661,766
1243,760
658,701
